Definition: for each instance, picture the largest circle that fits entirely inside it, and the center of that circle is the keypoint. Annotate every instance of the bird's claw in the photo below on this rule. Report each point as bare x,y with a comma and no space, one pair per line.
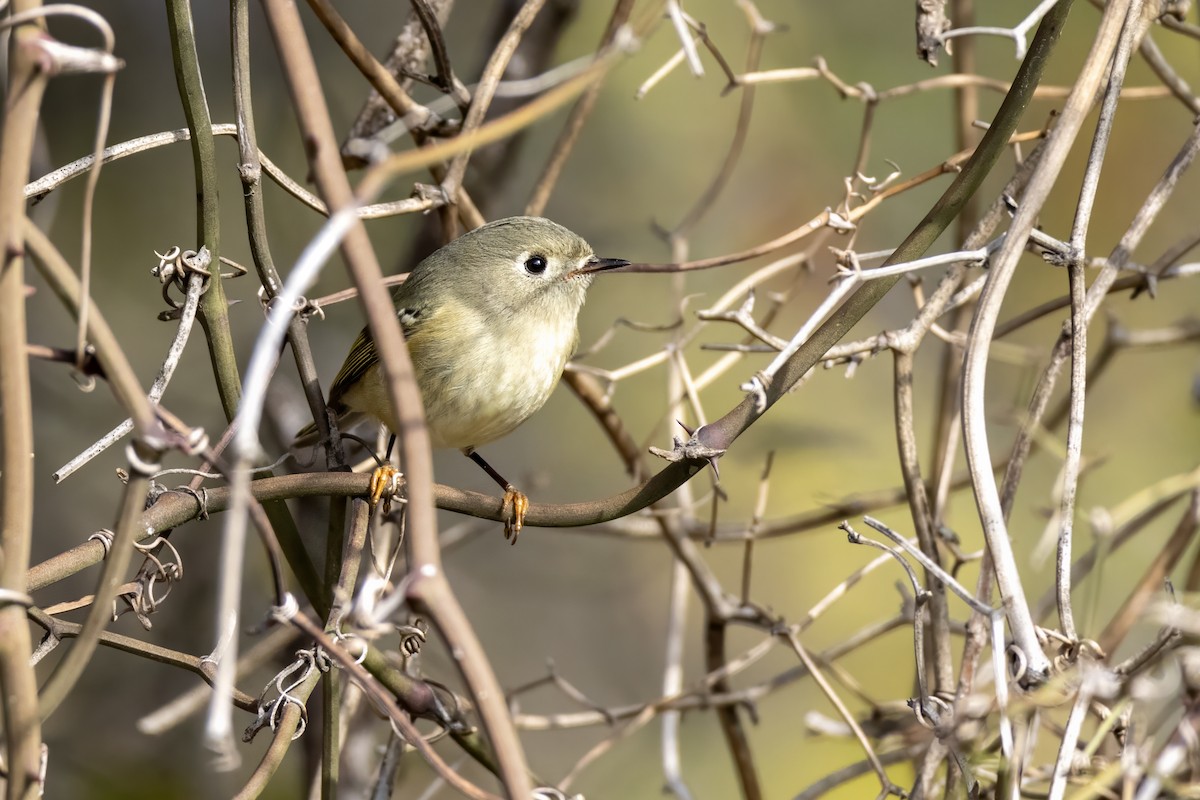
385,482
516,504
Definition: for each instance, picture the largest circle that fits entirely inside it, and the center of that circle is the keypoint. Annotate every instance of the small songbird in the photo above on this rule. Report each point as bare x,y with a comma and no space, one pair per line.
490,320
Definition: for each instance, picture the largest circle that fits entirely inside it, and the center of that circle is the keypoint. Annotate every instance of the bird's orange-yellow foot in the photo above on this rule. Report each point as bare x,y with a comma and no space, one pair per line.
385,482
516,504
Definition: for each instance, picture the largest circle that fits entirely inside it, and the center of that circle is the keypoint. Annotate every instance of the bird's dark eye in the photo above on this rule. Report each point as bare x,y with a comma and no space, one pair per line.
535,265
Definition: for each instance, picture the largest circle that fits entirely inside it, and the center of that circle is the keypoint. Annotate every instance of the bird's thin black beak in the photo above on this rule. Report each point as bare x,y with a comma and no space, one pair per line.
597,264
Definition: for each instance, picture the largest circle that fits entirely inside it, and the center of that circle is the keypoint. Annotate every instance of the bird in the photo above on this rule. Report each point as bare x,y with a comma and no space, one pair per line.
491,319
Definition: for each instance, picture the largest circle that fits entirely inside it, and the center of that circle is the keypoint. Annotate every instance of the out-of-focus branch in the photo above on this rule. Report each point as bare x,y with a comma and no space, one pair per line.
486,90
575,121
19,699
406,59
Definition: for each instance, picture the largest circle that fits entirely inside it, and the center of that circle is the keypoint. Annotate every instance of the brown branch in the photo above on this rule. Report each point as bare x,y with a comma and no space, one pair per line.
486,89
573,127
201,666
406,61
430,590
923,523
1150,584
26,85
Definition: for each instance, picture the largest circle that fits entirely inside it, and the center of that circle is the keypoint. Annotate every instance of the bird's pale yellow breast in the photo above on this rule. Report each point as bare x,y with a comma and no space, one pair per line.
480,375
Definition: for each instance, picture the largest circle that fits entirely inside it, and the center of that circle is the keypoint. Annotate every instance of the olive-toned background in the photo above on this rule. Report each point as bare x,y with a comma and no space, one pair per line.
596,604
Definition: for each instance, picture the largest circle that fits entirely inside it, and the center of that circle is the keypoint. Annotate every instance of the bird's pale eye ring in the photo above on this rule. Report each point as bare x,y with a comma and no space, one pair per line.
535,265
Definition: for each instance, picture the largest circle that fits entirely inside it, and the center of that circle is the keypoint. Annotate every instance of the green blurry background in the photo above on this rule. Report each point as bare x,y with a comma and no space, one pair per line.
596,604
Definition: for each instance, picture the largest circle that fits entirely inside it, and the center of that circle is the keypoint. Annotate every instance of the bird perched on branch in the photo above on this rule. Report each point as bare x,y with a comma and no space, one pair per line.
490,320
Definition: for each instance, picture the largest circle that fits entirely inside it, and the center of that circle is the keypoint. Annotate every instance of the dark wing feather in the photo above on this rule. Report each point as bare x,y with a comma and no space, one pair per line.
362,354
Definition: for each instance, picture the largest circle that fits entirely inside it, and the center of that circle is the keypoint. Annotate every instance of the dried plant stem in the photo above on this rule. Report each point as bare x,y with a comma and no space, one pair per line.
38,189
284,733
721,433
486,90
492,131
19,699
250,172
187,316
58,630
758,32
1123,523
389,88
974,433
1151,582
176,508
214,318
170,715
672,681
701,694
1083,211
381,80
573,127
1172,81
387,703
125,384
68,671
89,195
948,413
957,80
1101,286
877,766
922,516
678,602
214,308
341,576
731,723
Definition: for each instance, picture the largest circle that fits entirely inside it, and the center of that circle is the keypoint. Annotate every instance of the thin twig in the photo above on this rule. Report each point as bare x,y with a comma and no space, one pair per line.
187,315
975,366
1083,211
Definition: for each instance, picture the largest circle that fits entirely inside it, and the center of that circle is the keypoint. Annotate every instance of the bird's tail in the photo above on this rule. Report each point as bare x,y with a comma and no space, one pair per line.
309,436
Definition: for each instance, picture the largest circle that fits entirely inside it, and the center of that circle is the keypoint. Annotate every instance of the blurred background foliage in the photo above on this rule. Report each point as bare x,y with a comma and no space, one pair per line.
595,604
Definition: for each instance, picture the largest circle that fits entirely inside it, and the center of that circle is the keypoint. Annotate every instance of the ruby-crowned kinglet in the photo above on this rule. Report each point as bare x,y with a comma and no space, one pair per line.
490,320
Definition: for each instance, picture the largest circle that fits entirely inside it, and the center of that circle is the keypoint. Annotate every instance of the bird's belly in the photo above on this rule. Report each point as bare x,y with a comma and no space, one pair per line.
472,405
477,382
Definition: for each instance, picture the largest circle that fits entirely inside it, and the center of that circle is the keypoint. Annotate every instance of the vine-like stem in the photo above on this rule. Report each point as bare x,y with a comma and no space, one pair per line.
143,452
1078,289
974,433
214,308
250,171
23,739
68,671
486,90
922,516
388,704
573,127
284,733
